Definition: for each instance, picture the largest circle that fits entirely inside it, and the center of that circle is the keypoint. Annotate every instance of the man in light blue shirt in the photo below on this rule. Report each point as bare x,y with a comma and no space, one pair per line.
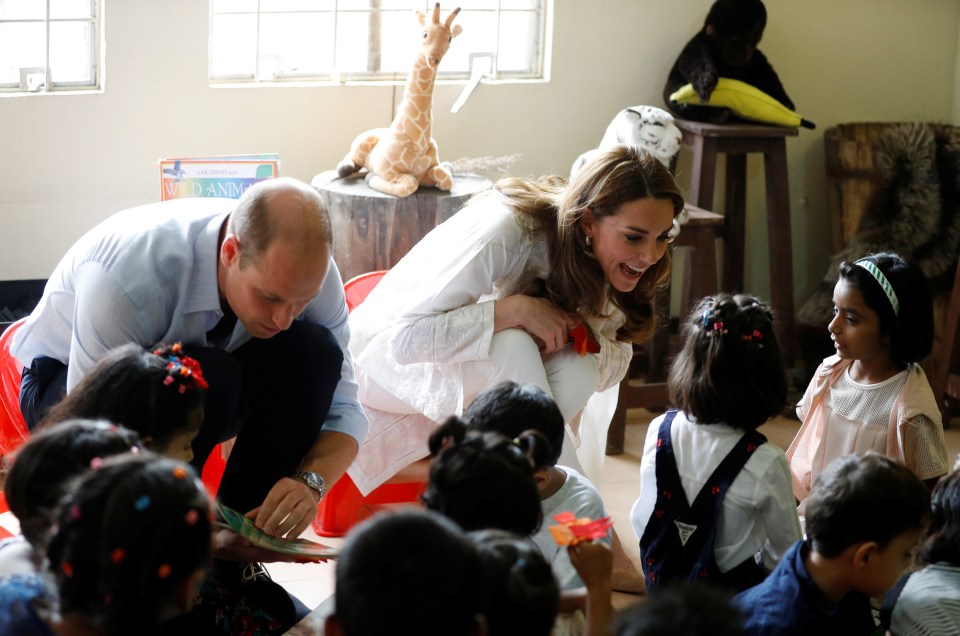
251,290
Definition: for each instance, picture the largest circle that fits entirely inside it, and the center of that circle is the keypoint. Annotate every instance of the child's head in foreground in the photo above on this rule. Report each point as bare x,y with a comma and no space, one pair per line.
132,543
523,595
730,369
940,542
159,394
866,511
407,571
887,300
510,408
681,609
486,480
43,467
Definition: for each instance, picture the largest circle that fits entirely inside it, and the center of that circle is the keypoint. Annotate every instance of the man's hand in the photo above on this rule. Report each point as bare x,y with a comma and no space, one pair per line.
289,508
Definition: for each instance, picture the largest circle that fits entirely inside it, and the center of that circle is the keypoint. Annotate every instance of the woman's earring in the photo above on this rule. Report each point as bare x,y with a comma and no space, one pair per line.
589,240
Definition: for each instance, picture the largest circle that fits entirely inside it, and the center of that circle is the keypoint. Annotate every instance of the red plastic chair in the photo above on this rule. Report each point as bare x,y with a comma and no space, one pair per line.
13,429
344,506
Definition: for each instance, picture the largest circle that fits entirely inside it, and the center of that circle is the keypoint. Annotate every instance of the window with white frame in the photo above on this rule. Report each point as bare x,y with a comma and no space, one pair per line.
49,45
367,40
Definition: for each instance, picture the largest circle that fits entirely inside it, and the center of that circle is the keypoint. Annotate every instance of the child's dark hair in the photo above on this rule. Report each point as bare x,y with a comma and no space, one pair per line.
910,330
485,480
941,538
154,393
681,609
408,570
129,534
43,467
523,595
510,408
860,498
730,369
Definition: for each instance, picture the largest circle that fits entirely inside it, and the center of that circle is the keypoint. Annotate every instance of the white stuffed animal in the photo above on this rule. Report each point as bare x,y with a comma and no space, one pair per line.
648,127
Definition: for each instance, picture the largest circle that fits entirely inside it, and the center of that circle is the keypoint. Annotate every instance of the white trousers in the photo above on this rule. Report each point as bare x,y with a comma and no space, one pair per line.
566,376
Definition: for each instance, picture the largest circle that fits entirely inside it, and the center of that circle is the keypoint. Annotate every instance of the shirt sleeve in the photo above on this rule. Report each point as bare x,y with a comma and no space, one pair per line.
329,309
778,512
615,356
924,448
104,317
443,322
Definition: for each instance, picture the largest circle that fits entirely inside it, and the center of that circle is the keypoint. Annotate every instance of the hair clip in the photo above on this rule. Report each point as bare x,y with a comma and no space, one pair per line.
717,329
706,318
182,369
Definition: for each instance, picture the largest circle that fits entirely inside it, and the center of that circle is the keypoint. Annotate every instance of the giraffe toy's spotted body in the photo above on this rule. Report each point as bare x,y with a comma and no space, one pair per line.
403,157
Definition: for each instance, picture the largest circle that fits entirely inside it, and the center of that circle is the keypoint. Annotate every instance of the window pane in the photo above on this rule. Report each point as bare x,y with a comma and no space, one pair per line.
21,46
400,42
233,49
22,10
479,36
507,5
70,51
295,43
62,9
271,6
519,41
232,6
353,46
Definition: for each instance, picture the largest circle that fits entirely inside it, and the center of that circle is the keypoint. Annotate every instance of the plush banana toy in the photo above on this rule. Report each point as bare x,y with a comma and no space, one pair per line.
745,101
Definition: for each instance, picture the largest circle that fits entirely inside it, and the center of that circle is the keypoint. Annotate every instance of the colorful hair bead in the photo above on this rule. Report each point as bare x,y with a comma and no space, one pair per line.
142,503
164,570
117,555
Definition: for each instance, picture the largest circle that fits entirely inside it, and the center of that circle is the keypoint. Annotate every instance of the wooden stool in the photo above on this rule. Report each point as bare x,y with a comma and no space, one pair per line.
699,280
706,141
373,231
945,379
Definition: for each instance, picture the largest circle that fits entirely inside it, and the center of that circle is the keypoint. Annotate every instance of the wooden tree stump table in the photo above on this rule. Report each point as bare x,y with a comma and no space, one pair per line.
373,231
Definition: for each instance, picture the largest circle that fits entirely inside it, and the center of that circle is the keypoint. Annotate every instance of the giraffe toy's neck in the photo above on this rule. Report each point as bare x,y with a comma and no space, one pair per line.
415,114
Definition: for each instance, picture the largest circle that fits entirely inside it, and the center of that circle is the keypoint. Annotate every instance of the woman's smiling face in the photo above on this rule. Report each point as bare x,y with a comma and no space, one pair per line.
631,240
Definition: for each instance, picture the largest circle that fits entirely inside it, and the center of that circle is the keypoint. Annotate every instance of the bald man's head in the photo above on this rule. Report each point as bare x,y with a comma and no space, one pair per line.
282,209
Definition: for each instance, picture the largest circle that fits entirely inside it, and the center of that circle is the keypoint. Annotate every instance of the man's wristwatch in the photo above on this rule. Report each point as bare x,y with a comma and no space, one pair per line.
311,479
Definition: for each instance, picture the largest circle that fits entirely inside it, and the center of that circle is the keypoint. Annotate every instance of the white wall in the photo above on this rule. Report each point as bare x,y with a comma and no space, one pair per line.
70,160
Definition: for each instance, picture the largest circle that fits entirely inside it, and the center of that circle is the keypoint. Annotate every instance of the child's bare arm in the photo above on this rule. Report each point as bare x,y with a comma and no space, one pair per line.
594,564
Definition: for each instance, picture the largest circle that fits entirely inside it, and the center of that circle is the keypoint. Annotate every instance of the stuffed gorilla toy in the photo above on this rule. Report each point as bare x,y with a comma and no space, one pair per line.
726,46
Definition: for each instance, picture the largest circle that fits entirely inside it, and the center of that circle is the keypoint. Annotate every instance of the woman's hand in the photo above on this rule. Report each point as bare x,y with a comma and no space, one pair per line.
548,324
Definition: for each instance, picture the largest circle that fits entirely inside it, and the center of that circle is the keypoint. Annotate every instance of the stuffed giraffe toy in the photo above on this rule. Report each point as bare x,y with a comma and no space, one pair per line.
404,156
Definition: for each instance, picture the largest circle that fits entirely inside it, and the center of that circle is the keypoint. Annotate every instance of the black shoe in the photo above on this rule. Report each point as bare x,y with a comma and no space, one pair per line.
230,574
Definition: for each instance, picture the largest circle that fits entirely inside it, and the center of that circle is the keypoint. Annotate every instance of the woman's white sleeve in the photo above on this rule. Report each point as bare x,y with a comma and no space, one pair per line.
614,357
443,320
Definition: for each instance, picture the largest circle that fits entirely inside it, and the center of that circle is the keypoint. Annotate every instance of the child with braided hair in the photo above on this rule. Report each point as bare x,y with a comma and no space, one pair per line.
130,549
715,500
159,394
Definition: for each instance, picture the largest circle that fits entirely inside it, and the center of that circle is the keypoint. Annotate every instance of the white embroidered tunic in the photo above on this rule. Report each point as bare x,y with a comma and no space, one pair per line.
433,311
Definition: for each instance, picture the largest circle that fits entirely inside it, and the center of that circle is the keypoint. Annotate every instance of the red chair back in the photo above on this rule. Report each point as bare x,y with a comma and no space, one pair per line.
13,429
357,288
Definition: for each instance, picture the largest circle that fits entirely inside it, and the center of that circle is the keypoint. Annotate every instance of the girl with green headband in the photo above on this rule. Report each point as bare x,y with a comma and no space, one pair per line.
873,394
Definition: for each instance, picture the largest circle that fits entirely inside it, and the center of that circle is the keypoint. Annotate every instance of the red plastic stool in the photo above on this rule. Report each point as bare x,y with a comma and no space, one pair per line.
344,506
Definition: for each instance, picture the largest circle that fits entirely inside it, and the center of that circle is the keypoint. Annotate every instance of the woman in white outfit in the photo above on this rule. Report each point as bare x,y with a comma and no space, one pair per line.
496,292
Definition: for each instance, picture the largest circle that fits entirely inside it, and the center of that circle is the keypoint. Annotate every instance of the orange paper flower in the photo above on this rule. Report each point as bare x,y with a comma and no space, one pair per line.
572,530
583,340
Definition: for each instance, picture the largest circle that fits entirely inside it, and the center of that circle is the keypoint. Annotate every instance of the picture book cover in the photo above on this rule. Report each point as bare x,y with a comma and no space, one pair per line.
244,526
226,176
